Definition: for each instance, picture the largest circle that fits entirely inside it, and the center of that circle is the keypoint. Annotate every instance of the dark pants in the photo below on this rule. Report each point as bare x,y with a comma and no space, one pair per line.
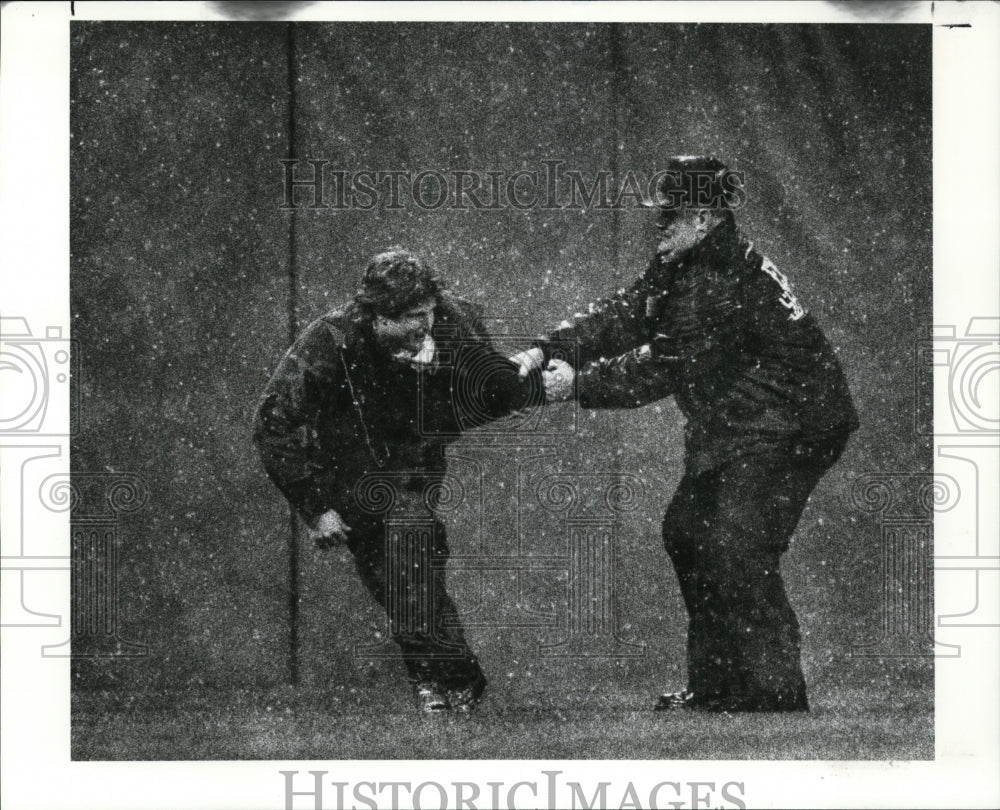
725,531
402,564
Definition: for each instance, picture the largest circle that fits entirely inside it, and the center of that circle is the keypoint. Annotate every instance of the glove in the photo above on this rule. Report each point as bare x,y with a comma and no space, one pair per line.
558,380
329,530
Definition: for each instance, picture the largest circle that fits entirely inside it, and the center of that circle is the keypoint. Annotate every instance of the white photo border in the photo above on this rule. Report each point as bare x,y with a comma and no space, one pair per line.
34,240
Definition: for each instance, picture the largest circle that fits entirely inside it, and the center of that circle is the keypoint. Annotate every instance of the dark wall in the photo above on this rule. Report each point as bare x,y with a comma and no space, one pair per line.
187,281
179,299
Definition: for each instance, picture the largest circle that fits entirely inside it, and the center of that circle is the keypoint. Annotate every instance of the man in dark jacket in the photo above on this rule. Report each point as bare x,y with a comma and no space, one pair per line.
715,324
355,420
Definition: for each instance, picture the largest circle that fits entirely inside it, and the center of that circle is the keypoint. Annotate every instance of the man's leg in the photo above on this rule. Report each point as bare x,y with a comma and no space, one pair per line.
758,502
685,529
442,653
405,573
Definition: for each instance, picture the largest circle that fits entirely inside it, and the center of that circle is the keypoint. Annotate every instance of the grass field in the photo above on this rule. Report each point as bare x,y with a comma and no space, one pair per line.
850,724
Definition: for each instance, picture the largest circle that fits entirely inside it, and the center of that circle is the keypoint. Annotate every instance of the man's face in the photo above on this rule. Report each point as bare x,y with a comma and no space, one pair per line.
407,336
682,231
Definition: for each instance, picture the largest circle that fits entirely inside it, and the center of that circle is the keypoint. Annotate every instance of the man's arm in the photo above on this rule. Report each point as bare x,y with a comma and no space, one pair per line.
630,380
486,379
707,320
285,427
610,326
707,327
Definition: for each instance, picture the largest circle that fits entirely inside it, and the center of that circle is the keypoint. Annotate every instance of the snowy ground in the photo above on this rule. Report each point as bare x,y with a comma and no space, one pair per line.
850,724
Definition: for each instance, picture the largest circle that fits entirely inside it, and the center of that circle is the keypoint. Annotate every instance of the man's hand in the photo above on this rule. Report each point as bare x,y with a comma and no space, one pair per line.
527,361
328,530
558,380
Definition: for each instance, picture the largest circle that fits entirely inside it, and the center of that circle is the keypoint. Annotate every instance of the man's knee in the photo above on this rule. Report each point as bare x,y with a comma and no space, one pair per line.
673,536
682,524
680,540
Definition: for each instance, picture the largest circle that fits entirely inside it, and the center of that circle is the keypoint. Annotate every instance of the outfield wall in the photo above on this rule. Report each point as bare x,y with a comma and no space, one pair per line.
188,281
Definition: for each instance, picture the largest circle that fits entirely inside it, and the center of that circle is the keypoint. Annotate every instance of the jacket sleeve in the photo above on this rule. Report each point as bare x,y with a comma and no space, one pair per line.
610,326
630,380
486,379
705,325
286,422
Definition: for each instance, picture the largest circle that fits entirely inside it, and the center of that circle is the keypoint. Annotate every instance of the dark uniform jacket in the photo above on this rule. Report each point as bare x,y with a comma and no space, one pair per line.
339,407
721,330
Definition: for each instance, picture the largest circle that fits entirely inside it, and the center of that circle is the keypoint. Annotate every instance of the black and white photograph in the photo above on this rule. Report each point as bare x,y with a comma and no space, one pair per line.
503,405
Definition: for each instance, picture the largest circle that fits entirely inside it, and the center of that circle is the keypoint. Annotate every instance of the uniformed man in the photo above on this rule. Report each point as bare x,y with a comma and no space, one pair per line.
714,323
365,392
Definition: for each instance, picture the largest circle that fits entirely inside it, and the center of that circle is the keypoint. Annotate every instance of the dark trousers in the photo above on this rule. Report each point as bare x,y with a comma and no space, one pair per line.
403,566
725,531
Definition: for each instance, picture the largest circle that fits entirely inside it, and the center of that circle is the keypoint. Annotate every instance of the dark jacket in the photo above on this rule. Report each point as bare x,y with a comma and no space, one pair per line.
721,330
338,407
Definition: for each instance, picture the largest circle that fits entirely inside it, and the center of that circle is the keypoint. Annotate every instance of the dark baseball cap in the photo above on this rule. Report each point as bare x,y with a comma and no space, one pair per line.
690,181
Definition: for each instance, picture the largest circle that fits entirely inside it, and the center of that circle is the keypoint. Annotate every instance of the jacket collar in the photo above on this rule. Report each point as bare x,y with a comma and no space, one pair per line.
720,248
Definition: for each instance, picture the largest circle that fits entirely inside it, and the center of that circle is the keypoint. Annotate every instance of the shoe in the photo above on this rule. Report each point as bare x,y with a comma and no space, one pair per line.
465,699
670,701
686,699
430,697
